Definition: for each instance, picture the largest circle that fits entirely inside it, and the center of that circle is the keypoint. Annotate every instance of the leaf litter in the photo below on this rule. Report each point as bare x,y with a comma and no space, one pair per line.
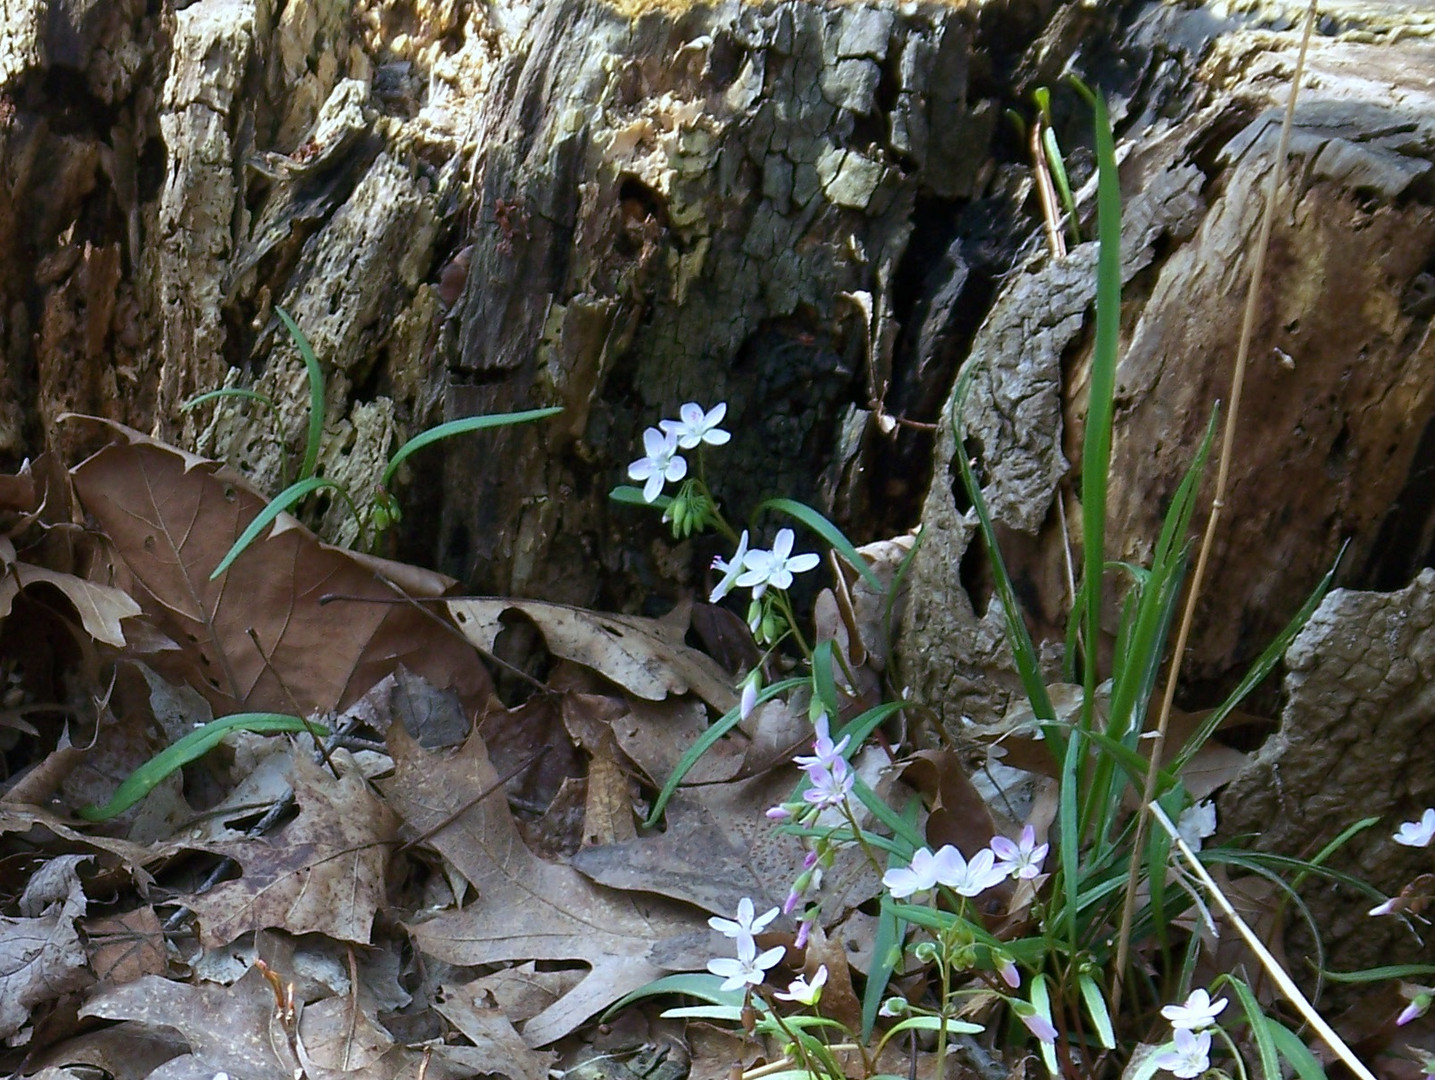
449,886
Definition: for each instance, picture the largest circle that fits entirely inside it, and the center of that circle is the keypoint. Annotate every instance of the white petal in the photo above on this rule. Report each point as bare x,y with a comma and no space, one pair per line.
800,564
654,442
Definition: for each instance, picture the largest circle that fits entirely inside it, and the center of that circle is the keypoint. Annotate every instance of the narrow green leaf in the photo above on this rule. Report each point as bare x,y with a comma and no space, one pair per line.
901,828
829,532
316,394
281,502
1101,387
1260,1028
702,986
1262,667
633,496
228,391
461,427
1041,1001
1018,638
1057,165
934,1023
886,952
731,1013
859,727
1069,844
824,684
1096,1009
1382,974
1306,1065
705,742
190,748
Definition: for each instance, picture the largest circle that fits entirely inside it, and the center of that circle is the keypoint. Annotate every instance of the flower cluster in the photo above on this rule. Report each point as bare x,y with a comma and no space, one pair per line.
750,967
1191,1021
690,510
949,867
759,569
823,804
828,775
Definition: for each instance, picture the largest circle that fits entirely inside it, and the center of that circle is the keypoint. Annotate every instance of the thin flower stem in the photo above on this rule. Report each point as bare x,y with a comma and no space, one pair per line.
860,837
940,1066
792,1036
719,521
787,613
1240,1063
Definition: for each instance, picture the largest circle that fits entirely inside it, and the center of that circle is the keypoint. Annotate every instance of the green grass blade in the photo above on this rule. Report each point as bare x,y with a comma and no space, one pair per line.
889,602
859,727
227,391
281,502
461,427
1260,1028
1382,974
704,987
1158,851
1096,442
829,532
1023,651
1259,670
1069,849
1057,166
1095,1003
316,395
190,748
901,828
704,743
1306,1065
886,954
824,684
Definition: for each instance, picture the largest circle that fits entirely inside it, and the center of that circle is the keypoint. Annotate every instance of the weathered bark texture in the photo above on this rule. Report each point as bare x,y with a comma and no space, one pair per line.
1359,696
1338,402
814,213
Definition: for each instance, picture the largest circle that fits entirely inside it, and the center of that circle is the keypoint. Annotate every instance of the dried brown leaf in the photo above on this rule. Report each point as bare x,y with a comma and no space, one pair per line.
126,947
100,607
695,859
491,1031
173,516
527,909
647,657
234,1029
325,872
41,957
522,991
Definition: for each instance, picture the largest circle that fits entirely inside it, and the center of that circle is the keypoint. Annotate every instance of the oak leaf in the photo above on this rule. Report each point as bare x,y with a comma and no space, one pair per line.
325,872
260,637
527,909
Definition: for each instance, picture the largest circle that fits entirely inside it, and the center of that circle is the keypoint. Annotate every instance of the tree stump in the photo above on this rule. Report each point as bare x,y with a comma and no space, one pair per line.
815,213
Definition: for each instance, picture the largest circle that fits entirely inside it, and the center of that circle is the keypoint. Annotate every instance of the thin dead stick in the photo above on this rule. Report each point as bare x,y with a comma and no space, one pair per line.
1273,966
1223,472
1050,210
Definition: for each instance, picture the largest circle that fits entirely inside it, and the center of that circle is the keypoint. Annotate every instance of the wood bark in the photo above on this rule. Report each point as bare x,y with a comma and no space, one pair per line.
814,213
